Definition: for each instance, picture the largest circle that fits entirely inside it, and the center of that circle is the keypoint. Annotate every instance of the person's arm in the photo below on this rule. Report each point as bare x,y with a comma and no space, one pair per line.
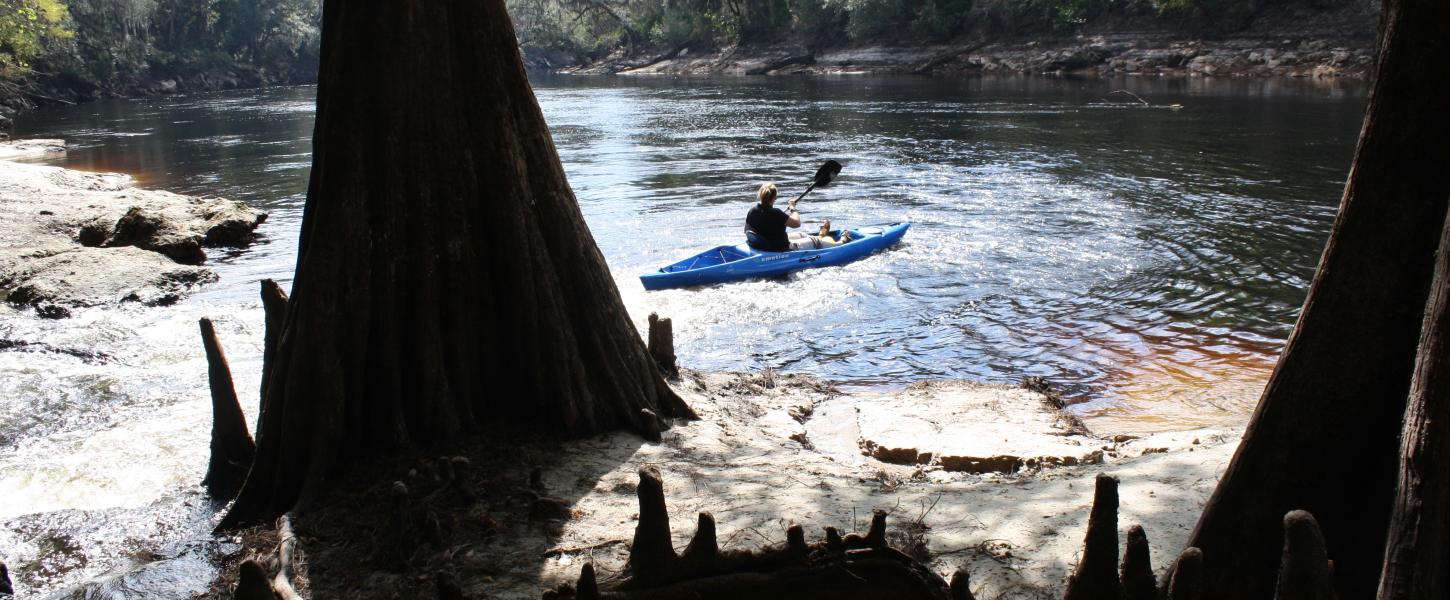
792,218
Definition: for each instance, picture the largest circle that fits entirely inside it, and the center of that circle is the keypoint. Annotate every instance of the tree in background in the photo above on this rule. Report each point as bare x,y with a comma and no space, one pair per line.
112,39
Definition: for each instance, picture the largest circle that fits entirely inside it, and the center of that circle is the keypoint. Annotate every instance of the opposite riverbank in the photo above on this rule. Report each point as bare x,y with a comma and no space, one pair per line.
1100,55
1279,41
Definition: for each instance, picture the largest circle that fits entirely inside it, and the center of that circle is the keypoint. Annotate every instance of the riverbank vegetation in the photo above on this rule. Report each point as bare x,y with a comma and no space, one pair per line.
72,50
593,28
68,50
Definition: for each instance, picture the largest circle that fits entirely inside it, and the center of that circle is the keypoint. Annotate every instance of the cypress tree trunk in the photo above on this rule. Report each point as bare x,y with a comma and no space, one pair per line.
1418,551
443,260
1324,437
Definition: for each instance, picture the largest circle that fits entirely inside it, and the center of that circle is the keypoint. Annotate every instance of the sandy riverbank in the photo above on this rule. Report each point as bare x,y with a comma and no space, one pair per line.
767,452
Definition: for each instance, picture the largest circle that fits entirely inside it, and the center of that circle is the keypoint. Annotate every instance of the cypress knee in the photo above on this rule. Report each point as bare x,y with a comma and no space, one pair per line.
231,443
1096,576
652,556
1137,571
1304,570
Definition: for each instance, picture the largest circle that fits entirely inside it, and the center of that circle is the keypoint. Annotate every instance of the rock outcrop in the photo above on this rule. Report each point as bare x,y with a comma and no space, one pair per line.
70,238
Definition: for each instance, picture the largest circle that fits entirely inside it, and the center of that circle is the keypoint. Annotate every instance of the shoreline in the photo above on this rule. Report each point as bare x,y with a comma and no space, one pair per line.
1117,54
29,94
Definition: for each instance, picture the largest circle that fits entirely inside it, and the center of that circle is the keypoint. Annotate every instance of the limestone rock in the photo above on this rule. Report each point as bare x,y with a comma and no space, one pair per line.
70,238
31,148
972,428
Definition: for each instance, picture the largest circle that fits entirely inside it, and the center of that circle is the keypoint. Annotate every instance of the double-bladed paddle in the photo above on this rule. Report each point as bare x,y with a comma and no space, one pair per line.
824,175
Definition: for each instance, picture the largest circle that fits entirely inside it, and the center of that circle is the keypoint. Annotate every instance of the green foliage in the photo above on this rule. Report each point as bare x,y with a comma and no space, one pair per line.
942,19
874,18
753,20
28,29
1216,10
584,26
691,22
595,27
819,22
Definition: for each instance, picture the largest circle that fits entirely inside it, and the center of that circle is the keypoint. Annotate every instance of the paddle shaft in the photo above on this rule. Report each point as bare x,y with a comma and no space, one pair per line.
803,194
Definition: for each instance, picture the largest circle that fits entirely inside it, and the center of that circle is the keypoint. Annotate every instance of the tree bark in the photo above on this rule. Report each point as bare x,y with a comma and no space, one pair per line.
274,314
1324,437
443,258
1418,550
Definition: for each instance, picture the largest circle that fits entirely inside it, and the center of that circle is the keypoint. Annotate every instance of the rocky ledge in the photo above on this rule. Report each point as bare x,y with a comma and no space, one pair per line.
71,238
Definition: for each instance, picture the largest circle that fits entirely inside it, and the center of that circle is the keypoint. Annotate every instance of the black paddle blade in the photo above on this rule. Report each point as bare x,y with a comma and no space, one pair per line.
827,172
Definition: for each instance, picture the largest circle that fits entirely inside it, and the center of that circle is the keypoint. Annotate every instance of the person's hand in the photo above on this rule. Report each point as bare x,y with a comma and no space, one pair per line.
790,206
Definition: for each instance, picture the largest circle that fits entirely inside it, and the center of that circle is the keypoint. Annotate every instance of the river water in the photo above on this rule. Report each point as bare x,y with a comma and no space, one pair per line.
1149,260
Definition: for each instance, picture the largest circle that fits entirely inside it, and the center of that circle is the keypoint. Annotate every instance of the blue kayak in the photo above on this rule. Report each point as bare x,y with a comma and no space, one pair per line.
734,263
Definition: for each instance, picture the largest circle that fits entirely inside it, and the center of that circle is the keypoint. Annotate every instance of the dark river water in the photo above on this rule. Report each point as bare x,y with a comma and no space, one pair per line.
1147,259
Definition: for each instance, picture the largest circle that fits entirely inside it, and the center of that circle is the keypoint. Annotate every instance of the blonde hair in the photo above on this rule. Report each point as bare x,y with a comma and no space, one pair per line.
767,191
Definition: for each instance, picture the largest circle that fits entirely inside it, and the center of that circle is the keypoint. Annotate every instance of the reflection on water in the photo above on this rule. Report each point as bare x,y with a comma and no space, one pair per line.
1150,260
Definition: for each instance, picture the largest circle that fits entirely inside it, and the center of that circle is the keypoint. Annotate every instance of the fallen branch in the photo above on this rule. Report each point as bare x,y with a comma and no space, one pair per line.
931,64
557,551
797,59
45,97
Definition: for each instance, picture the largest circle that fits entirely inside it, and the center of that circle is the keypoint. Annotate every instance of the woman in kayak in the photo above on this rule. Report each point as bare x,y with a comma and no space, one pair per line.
765,226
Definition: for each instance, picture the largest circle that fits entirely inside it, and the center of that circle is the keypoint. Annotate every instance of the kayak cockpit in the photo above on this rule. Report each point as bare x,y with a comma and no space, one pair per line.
708,258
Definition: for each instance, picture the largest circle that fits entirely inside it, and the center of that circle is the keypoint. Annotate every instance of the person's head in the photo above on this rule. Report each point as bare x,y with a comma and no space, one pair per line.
766,195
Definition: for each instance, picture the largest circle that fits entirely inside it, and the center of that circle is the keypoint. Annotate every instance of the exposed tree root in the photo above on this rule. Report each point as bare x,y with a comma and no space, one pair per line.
854,567
252,580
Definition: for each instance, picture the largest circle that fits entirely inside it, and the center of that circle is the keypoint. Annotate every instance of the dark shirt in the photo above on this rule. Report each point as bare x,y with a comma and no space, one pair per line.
769,227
